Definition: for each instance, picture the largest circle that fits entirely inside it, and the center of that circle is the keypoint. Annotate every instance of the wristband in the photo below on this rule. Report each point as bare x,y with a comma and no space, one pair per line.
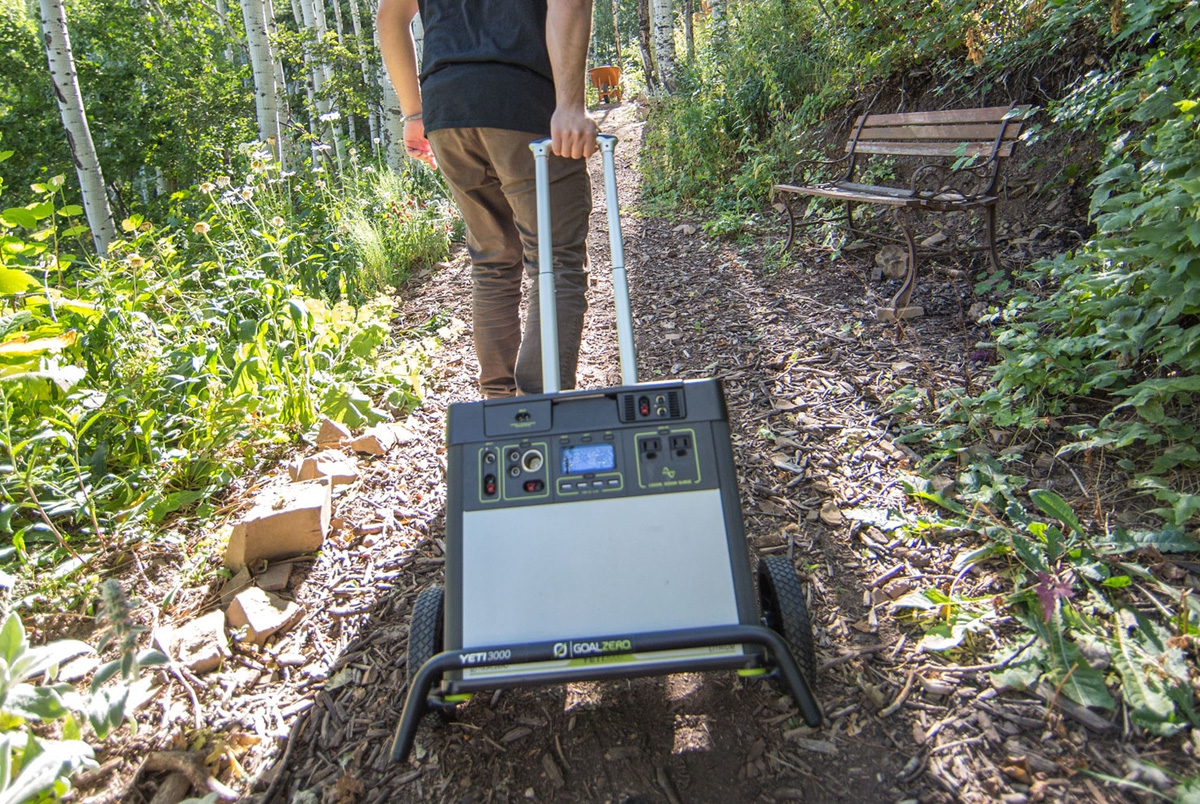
408,117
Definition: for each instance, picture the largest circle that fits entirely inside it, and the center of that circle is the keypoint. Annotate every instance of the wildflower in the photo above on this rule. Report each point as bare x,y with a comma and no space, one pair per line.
375,140
277,221
320,183
353,152
207,187
258,165
223,181
201,228
136,260
271,142
369,169
330,117
145,227
324,146
246,193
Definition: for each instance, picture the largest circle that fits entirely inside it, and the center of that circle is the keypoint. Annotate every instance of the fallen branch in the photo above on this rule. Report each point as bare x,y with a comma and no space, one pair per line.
191,766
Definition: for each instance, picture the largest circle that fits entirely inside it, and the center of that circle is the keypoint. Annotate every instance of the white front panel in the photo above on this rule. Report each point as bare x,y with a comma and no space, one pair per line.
596,568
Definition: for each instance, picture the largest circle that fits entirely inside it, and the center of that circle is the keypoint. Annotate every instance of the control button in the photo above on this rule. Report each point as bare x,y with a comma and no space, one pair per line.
515,471
566,486
586,439
608,436
513,456
597,484
644,406
489,485
614,482
533,485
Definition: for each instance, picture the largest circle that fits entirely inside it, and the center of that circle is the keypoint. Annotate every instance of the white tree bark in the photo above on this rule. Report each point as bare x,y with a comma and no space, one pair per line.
393,119
418,32
372,117
664,42
74,118
314,20
266,95
283,114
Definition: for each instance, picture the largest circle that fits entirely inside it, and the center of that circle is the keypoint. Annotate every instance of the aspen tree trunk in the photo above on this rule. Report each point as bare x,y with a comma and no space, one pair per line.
617,35
393,119
351,136
223,17
664,43
313,130
329,113
266,96
74,119
372,116
644,43
689,14
283,114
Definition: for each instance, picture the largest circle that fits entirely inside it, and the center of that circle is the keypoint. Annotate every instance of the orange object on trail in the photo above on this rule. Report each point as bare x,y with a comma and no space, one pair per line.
607,81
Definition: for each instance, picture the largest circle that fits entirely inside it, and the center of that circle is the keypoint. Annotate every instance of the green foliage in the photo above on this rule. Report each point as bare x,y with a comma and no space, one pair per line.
1117,322
1072,592
721,138
33,766
135,387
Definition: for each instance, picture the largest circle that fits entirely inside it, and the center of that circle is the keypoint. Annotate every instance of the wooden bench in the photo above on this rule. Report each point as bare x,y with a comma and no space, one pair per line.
970,146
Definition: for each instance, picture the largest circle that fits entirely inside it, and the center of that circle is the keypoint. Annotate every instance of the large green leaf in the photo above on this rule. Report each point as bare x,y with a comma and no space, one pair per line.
1171,539
1055,506
1071,673
46,761
14,281
37,703
12,639
38,660
1142,681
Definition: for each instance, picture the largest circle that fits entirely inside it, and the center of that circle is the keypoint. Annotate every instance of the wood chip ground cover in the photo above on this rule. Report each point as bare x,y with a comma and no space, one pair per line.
806,371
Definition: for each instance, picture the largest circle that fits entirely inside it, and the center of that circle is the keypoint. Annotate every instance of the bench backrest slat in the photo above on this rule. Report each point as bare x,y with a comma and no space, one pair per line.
979,132
946,149
990,114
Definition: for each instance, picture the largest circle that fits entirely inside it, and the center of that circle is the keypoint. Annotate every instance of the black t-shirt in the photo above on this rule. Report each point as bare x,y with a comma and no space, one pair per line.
485,65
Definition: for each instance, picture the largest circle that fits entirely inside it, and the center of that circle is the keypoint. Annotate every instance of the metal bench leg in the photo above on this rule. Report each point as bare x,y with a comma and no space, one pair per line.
900,307
784,205
989,214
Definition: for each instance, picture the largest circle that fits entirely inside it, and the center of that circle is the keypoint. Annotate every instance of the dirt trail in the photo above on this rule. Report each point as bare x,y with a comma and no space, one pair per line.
806,370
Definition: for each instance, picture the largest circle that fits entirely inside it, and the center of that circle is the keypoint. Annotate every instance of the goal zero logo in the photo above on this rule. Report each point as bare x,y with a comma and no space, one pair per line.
560,650
598,647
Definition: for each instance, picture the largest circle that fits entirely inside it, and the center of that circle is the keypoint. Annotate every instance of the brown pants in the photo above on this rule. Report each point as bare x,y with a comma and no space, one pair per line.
491,175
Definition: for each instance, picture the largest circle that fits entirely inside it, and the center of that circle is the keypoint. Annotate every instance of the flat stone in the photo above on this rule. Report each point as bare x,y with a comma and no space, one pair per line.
332,434
237,583
330,464
371,444
200,644
286,521
262,614
889,314
275,577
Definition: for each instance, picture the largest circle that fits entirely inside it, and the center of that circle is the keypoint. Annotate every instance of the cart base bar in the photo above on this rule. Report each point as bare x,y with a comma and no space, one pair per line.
418,701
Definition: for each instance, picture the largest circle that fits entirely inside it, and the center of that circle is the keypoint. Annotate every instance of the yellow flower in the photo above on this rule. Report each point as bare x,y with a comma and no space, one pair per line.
258,165
201,228
136,261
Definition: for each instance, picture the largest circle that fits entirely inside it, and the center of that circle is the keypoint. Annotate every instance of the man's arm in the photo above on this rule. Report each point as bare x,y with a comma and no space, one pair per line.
393,22
568,26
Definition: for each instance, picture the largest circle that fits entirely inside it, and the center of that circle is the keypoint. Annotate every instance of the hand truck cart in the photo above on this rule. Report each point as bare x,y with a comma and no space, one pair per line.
597,534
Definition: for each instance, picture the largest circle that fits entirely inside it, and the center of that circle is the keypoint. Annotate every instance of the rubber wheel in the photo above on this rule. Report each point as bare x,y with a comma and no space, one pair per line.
425,629
781,601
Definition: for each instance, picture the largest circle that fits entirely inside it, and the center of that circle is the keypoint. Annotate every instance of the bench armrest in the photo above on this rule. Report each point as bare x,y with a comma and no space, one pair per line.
965,183
804,165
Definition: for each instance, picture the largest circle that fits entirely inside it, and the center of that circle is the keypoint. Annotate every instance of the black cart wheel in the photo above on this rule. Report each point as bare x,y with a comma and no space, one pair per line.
425,639
781,601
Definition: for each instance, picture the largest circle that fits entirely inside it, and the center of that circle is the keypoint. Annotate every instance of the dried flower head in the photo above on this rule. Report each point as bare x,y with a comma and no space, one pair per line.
201,228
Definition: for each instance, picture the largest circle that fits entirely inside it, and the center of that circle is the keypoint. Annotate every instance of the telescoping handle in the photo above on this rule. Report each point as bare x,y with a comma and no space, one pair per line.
551,380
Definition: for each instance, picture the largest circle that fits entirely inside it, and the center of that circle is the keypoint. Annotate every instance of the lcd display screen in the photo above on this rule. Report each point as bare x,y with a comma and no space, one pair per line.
586,458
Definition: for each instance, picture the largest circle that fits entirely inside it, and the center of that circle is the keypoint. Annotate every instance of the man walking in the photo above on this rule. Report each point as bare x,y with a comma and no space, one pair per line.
497,75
